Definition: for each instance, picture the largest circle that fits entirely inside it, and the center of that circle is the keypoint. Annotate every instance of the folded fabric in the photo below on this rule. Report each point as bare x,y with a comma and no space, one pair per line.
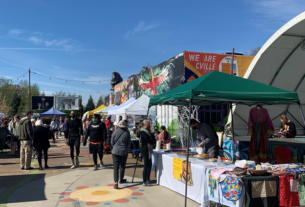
219,171
288,191
295,170
238,171
279,173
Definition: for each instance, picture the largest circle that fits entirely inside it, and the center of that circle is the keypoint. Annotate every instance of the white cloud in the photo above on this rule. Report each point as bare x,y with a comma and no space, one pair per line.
15,32
275,12
35,40
141,27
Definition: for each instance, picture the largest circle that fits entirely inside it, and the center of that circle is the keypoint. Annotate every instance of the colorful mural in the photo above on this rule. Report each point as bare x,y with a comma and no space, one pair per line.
198,64
162,77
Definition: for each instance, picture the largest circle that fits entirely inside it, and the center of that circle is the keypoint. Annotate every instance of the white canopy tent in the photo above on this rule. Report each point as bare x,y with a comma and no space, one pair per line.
105,110
113,111
280,63
138,107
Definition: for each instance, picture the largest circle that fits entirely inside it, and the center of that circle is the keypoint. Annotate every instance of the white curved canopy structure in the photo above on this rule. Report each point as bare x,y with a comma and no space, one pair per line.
280,63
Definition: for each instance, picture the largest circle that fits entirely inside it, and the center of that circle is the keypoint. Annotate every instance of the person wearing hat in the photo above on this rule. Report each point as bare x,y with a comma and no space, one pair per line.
98,134
207,138
120,140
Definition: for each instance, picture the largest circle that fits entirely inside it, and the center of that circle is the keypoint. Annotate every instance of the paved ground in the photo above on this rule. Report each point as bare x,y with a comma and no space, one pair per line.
60,186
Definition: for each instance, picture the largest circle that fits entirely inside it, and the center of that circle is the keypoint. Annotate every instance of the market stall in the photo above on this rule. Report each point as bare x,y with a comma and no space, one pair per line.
113,112
51,113
90,113
219,88
105,110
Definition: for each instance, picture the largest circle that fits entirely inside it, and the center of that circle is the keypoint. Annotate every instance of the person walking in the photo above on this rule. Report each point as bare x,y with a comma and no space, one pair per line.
120,141
147,141
73,137
54,126
26,137
64,125
98,134
164,137
41,143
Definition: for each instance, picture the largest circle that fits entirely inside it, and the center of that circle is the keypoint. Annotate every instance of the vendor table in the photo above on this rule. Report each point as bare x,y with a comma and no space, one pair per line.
166,179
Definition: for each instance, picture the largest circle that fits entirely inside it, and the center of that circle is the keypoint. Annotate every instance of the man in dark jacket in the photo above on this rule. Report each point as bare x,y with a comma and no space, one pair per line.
98,134
74,136
206,137
26,137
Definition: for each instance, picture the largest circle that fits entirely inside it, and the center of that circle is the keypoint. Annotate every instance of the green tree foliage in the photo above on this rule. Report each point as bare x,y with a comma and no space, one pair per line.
15,104
90,105
43,94
63,93
100,101
35,90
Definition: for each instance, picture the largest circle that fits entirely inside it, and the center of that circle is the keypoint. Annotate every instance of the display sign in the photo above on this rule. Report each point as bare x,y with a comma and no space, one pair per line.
42,102
198,64
67,103
179,171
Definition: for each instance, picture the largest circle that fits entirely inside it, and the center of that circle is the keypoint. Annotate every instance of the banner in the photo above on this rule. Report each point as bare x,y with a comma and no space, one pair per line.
198,64
67,103
42,102
179,171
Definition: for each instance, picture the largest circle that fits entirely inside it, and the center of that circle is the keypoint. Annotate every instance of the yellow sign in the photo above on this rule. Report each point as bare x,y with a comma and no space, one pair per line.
179,171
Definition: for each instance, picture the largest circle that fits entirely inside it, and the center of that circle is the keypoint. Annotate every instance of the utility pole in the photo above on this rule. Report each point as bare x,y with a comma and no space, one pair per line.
30,89
232,63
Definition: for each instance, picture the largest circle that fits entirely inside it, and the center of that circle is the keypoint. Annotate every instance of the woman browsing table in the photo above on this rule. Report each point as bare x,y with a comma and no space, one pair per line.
164,137
288,130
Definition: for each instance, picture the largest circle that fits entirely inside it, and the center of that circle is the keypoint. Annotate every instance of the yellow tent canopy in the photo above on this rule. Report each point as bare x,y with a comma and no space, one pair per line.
90,113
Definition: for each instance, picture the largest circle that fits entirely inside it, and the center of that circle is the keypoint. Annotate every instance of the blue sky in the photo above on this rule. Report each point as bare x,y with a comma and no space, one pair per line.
87,40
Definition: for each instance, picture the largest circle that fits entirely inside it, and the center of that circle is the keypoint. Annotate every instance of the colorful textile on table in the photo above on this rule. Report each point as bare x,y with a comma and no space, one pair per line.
295,170
259,143
289,195
238,171
218,171
301,189
212,183
262,191
231,188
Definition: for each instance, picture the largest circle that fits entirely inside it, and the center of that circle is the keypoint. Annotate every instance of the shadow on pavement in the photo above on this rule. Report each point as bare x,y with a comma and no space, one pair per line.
34,193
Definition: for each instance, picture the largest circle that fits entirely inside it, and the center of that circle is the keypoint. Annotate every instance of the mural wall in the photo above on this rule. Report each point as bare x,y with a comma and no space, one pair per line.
198,64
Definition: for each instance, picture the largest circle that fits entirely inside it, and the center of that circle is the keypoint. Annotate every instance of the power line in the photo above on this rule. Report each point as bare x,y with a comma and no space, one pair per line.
18,77
80,81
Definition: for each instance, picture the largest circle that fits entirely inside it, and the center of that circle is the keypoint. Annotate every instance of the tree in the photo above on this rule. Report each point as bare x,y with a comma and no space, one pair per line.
100,101
63,93
43,94
90,105
35,90
3,106
252,52
15,103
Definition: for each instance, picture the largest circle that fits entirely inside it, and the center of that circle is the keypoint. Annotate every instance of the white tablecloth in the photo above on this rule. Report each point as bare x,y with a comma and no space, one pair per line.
165,176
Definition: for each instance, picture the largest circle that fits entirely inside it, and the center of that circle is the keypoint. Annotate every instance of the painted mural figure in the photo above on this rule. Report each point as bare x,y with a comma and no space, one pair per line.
116,79
154,81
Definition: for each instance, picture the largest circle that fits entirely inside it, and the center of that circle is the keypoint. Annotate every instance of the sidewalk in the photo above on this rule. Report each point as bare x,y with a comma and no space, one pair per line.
60,186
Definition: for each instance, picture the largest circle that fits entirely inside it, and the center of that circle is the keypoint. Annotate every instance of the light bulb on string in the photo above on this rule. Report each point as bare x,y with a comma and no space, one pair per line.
50,78
99,82
83,82
66,81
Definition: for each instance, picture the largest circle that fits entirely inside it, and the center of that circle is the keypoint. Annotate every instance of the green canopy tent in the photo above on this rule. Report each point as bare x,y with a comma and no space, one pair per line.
221,88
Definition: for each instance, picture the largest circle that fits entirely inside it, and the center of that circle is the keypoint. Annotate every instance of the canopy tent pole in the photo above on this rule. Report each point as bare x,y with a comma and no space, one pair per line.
232,130
187,151
147,112
302,114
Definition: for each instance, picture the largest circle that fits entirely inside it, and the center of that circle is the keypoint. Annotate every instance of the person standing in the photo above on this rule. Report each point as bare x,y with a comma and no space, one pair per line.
16,133
61,121
147,141
207,138
108,122
98,134
26,137
41,143
54,126
120,140
156,132
73,137
164,137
